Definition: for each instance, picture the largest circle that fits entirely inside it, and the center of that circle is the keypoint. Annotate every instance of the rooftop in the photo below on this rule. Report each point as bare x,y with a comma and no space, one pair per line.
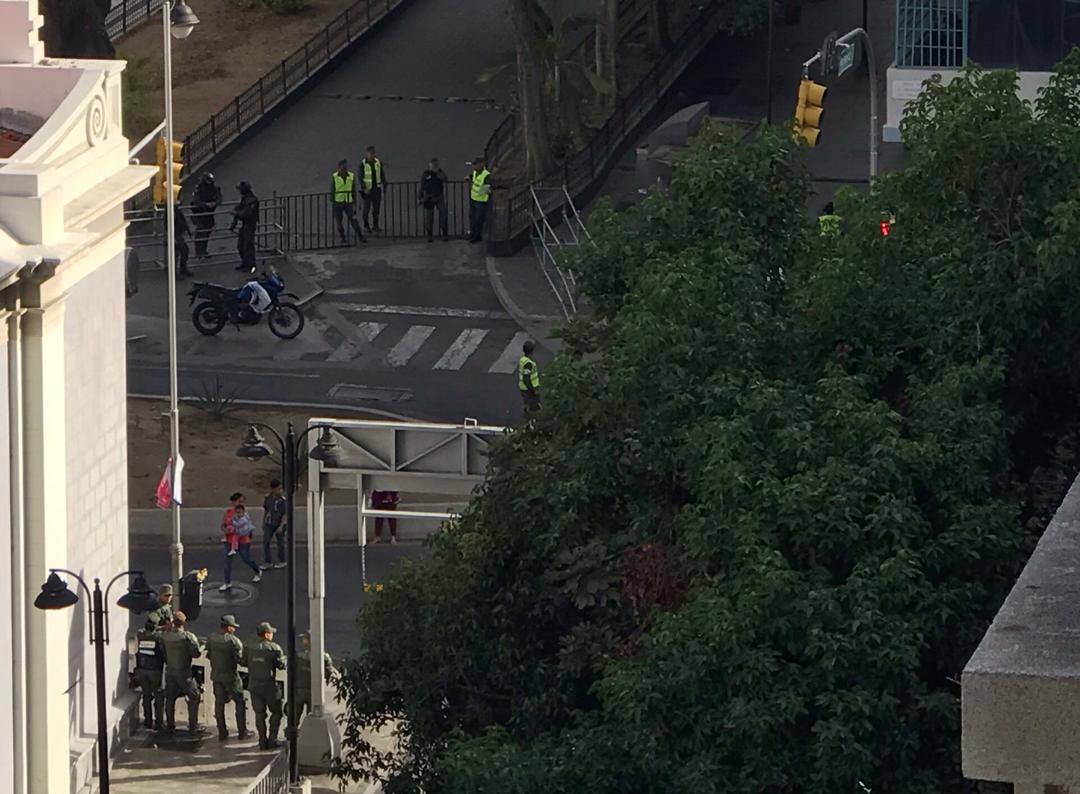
11,140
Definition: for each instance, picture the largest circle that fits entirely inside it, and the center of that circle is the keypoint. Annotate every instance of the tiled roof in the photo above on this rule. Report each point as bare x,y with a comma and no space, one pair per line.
11,140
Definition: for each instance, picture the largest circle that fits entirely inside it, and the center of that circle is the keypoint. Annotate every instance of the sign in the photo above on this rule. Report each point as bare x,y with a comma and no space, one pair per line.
906,89
845,57
828,54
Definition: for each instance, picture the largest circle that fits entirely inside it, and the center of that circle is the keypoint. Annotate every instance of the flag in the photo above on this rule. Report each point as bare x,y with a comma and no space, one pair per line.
164,488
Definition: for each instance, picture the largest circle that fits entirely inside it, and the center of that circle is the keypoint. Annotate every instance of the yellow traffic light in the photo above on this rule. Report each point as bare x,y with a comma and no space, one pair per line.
809,110
164,161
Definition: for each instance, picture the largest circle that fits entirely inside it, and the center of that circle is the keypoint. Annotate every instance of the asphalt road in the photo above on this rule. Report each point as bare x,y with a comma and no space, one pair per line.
408,328
253,603
432,48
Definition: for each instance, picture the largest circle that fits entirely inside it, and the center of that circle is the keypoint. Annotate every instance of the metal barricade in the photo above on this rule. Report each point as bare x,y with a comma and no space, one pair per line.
274,779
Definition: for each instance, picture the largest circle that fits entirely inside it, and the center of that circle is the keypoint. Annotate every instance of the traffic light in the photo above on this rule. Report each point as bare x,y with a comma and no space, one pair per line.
809,110
885,226
164,161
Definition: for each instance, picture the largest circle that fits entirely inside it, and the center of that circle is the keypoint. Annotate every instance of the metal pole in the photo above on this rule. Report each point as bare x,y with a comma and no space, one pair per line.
177,548
872,70
769,66
98,641
289,461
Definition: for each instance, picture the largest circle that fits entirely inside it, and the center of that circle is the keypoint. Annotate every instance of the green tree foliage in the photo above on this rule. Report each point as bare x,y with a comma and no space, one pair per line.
779,486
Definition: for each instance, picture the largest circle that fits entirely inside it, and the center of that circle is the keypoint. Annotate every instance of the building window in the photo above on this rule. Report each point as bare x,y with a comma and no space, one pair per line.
931,33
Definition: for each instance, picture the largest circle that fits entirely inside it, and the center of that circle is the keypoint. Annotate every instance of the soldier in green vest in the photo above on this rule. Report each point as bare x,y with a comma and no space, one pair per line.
149,671
226,652
163,614
264,659
528,378
479,196
343,195
181,648
303,673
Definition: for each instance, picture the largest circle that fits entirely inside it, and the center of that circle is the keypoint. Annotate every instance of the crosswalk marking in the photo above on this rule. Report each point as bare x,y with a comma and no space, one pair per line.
422,311
408,345
362,333
463,347
507,361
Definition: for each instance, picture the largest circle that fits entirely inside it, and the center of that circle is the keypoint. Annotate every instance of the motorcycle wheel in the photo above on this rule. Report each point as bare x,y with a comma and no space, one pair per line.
208,319
286,321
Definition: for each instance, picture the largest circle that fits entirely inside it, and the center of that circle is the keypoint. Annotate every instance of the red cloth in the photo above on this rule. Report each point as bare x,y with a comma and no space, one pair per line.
163,497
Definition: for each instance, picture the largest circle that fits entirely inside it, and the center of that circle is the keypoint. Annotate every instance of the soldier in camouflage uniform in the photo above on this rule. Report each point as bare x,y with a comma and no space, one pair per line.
181,647
149,668
226,652
163,614
303,673
264,659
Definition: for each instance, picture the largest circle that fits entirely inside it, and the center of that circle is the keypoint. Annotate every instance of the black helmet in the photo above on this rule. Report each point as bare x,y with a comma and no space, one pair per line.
244,187
527,348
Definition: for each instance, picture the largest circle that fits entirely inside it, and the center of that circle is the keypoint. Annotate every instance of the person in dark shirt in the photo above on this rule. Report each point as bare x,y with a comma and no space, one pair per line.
433,197
246,213
274,525
205,203
180,232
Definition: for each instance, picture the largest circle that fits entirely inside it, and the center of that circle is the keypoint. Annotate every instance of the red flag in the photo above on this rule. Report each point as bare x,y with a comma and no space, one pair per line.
164,488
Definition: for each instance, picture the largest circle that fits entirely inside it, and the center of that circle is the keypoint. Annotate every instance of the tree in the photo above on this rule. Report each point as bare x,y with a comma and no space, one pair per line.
606,46
76,29
779,486
526,19
659,34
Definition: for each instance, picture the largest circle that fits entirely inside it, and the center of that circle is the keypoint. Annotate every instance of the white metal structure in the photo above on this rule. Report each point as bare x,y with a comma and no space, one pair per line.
388,456
550,242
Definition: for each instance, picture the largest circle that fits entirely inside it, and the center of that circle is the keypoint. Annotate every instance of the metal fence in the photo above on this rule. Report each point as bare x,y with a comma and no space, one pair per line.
129,15
931,33
302,222
274,779
251,105
513,209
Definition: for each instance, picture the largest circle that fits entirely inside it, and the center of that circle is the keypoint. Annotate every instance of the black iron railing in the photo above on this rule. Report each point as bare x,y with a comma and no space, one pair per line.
250,106
513,208
302,222
129,15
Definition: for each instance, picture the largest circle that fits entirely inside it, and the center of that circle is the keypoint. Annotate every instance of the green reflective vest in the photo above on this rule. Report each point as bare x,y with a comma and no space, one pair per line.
828,225
481,190
528,374
370,174
343,188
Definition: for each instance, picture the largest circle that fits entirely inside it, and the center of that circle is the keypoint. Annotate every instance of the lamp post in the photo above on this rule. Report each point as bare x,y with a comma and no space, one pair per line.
177,21
254,447
55,594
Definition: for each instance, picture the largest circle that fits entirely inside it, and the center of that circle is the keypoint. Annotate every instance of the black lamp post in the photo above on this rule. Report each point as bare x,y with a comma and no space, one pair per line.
254,448
55,594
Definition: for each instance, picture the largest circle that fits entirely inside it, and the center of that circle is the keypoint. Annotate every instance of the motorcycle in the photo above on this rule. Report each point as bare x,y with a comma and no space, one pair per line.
221,305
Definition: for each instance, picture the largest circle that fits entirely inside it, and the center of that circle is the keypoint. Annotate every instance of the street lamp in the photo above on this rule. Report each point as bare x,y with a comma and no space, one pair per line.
55,594
254,447
177,21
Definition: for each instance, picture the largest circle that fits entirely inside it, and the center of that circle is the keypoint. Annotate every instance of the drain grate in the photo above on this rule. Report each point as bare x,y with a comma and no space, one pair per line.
350,392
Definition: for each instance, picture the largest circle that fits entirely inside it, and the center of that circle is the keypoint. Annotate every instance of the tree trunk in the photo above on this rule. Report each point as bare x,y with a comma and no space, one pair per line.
659,35
538,155
75,29
607,39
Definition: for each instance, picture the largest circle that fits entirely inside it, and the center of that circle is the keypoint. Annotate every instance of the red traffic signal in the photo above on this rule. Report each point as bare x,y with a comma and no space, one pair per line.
885,226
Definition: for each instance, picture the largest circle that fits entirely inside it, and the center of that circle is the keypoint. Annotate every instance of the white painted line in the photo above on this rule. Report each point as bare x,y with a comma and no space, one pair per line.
408,345
507,361
422,311
464,346
363,334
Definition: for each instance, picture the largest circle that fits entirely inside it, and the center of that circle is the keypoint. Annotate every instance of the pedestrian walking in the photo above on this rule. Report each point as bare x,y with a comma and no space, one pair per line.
163,613
303,673
181,648
385,500
238,544
264,659
274,507
181,231
150,672
343,195
246,214
204,206
226,653
432,198
528,378
479,198
372,180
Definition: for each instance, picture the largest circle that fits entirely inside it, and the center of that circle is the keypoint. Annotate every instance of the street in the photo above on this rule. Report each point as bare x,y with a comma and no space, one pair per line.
252,603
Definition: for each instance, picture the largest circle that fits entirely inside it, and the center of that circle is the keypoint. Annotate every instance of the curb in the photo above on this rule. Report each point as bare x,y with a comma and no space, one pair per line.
278,404
539,325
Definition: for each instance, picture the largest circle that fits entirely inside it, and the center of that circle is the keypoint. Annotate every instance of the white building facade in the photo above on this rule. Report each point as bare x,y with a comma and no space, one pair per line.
940,36
64,176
